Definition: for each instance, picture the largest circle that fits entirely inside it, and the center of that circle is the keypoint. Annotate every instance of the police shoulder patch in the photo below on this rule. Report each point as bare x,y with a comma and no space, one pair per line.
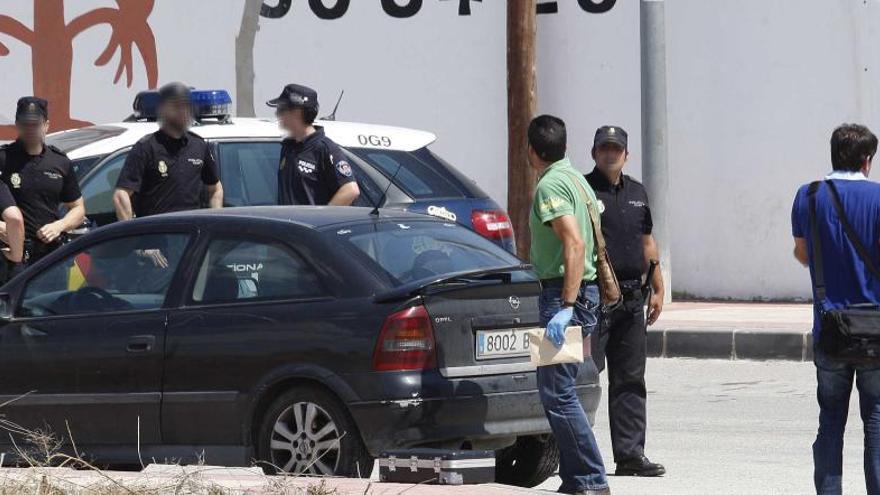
344,168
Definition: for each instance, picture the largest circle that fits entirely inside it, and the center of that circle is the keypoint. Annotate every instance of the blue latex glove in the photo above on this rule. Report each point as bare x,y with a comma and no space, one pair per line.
556,327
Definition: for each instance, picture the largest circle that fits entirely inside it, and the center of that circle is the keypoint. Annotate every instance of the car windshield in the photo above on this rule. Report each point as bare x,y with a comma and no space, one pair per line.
420,173
408,251
77,138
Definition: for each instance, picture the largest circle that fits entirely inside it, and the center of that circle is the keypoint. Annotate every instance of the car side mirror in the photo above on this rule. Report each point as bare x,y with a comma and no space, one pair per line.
5,307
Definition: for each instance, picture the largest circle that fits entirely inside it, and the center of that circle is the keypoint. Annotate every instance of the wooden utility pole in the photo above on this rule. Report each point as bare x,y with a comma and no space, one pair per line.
522,105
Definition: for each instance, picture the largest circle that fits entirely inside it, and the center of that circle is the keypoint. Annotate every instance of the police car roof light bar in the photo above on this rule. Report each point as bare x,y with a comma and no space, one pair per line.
207,104
211,104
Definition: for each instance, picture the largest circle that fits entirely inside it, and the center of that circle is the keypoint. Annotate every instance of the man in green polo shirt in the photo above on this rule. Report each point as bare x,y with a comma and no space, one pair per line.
564,257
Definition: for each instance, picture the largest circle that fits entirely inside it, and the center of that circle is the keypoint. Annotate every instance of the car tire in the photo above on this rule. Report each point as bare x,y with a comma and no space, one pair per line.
308,431
527,463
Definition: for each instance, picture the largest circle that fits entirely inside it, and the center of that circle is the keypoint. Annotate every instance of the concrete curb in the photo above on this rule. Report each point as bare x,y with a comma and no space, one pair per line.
761,345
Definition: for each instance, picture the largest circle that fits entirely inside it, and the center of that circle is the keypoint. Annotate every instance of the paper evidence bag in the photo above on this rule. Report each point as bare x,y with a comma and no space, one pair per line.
545,353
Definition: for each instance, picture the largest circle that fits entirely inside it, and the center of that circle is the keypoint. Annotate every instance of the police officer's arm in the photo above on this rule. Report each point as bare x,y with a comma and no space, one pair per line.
76,214
346,195
72,198
13,233
12,225
652,253
573,253
342,174
211,179
129,181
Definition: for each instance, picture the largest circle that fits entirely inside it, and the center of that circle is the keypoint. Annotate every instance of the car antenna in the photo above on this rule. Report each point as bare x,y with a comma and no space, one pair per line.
375,211
332,116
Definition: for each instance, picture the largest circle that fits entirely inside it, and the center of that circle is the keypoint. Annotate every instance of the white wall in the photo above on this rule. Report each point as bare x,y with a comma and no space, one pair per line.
755,88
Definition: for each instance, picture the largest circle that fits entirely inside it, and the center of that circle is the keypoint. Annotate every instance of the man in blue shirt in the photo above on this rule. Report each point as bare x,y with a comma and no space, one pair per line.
847,282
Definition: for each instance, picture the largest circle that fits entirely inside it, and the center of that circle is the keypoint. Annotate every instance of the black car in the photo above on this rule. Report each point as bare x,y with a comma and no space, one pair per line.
308,338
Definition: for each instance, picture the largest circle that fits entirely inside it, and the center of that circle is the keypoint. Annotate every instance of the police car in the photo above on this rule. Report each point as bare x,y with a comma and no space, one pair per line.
394,166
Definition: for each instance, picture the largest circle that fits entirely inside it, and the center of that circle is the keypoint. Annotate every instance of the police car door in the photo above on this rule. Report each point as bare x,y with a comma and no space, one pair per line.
84,347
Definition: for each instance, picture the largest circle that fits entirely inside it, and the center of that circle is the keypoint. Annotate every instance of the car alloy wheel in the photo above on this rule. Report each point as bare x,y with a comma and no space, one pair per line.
305,440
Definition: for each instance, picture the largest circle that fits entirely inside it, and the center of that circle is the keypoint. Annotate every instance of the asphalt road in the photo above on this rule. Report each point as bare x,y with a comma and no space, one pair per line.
725,427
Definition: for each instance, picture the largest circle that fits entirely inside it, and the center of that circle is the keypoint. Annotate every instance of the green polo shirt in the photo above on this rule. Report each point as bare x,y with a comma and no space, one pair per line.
558,195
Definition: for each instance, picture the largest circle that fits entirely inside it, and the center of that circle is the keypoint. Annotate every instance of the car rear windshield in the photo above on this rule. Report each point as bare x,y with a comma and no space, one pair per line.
421,173
71,140
408,251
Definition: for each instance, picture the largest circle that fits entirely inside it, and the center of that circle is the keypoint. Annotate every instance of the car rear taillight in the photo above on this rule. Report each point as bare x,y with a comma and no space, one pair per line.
406,342
492,224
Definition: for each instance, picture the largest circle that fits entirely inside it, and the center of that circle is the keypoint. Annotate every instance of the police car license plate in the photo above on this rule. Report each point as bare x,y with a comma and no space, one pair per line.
495,344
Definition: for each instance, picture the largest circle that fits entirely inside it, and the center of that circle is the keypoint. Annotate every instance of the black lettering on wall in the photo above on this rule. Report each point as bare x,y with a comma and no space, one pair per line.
410,9
464,6
274,12
329,13
597,6
402,9
548,7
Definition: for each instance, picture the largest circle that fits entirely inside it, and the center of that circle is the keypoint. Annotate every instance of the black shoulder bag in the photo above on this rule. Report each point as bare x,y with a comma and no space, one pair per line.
852,334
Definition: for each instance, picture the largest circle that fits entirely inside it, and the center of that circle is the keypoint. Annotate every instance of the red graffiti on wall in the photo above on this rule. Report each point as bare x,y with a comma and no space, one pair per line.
51,43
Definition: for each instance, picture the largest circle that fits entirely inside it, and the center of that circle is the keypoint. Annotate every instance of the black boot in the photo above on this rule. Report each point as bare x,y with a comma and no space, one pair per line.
639,466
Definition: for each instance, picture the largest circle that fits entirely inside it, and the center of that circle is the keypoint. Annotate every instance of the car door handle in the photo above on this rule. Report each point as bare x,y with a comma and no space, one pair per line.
141,343
29,331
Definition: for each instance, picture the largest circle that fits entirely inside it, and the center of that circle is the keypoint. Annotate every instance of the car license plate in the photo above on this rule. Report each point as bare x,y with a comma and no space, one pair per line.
495,344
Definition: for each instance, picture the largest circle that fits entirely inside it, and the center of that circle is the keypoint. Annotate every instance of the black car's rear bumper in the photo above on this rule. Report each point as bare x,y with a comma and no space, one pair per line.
455,420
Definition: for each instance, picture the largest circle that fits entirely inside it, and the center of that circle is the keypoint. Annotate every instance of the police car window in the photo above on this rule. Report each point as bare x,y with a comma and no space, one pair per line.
417,178
371,193
83,166
242,270
406,252
77,138
249,172
124,274
99,186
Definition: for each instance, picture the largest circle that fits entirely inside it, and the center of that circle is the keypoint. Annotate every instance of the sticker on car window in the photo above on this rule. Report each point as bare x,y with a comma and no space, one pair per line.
442,212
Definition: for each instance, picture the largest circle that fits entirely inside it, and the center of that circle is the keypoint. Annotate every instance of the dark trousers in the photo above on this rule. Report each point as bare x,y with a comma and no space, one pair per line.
835,383
623,343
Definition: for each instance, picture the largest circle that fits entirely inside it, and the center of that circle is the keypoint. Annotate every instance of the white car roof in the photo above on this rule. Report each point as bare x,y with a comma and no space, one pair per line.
347,134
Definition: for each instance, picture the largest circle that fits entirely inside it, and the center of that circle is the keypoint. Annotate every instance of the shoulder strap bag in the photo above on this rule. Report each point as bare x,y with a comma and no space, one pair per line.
852,334
609,286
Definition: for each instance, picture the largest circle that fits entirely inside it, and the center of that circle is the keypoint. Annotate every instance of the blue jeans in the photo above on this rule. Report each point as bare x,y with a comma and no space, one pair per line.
835,381
580,462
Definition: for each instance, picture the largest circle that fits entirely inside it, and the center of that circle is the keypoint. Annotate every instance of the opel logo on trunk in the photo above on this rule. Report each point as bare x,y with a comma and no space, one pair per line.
514,302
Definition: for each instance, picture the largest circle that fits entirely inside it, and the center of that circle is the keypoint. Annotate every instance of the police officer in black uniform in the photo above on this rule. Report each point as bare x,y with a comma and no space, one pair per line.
627,226
313,170
166,171
41,179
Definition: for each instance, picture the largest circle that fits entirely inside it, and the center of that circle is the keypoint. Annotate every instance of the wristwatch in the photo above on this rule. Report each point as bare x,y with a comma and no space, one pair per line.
567,304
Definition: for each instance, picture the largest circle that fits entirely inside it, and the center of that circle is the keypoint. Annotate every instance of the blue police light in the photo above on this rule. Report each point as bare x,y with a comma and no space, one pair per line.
206,104
146,105
211,104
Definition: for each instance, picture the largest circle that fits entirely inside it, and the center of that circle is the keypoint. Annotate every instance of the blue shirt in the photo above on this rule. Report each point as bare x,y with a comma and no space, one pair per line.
847,279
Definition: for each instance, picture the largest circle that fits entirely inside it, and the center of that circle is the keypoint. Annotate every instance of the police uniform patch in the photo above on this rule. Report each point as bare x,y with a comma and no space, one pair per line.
15,180
163,168
344,168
